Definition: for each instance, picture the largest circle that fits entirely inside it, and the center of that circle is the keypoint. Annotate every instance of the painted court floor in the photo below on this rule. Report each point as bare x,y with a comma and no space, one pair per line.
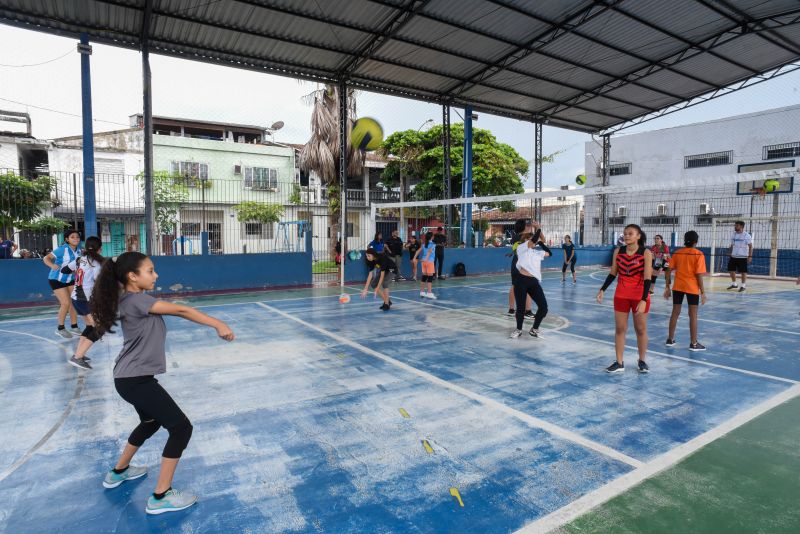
329,417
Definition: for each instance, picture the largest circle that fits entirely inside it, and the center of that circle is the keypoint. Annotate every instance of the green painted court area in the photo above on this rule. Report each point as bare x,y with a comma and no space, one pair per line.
747,481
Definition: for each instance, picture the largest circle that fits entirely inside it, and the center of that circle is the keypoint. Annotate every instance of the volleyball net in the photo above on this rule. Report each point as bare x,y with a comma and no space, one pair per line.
597,216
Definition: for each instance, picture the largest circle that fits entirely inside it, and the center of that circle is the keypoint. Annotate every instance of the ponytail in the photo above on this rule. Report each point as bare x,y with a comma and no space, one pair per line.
110,282
91,249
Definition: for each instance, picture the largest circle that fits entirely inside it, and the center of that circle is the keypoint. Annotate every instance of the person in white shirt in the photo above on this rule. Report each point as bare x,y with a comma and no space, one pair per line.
741,255
87,269
530,254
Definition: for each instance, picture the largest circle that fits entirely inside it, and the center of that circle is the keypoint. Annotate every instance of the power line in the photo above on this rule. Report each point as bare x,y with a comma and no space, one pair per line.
63,112
38,64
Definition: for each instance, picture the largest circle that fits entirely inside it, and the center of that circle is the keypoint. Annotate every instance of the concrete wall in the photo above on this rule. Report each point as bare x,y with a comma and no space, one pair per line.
487,260
178,275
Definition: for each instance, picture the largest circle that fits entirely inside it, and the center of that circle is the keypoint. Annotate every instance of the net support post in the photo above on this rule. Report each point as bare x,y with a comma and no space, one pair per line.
713,256
466,185
89,201
605,238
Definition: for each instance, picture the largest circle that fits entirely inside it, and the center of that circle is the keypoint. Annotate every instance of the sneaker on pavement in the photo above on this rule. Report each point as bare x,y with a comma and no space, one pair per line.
742,289
113,479
515,334
669,342
696,347
385,307
732,286
76,331
643,367
423,294
511,311
431,296
528,313
535,333
173,501
615,368
80,363
63,332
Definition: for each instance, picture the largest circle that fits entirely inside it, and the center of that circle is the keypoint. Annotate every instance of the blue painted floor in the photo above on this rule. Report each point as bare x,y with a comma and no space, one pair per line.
313,420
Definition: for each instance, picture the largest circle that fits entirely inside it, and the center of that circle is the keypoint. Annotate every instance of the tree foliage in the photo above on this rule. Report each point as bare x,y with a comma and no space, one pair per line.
23,200
169,192
46,224
498,169
260,212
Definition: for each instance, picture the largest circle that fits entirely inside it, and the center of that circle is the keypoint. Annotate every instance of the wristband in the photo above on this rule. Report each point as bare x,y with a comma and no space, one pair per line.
646,293
609,279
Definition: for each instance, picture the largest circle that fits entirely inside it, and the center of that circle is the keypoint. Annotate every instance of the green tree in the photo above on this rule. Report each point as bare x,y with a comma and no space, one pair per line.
497,169
169,192
259,212
22,200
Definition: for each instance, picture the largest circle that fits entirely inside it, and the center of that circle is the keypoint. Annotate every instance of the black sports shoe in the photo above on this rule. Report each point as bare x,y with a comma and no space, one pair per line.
385,307
643,367
696,347
615,368
669,342
512,311
535,333
528,313
80,363
742,289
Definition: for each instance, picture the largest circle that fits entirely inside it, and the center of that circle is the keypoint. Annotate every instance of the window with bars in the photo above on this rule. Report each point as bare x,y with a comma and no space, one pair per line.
190,229
192,172
785,150
708,160
259,230
618,169
260,178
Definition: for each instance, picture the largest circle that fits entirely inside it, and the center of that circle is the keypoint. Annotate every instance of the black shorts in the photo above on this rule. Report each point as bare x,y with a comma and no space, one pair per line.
55,284
691,299
150,400
737,264
81,307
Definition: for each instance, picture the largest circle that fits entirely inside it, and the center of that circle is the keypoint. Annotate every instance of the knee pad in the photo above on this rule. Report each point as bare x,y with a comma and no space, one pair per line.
91,334
143,432
179,436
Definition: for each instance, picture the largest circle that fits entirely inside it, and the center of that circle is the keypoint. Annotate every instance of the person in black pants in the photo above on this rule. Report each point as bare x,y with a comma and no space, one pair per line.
440,240
394,248
530,254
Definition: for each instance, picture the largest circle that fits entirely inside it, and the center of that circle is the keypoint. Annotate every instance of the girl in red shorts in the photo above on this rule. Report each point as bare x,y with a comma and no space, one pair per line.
633,263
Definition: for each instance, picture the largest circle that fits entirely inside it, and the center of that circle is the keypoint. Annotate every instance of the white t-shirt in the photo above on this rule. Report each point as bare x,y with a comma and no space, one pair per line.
740,242
86,272
530,259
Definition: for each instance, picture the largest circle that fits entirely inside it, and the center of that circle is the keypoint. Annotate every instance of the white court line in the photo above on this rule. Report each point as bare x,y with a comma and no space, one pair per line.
535,422
652,312
622,484
630,347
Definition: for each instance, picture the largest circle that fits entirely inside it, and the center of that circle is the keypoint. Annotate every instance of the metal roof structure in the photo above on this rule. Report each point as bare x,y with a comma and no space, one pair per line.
586,65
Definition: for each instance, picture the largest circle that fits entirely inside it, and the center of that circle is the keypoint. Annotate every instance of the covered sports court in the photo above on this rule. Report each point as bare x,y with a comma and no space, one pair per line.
326,417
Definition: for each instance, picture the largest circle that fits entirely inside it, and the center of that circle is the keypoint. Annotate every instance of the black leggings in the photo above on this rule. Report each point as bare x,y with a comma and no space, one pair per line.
156,409
524,286
571,266
439,259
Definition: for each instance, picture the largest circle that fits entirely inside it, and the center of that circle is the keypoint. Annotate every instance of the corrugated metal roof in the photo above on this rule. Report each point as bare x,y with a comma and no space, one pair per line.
587,65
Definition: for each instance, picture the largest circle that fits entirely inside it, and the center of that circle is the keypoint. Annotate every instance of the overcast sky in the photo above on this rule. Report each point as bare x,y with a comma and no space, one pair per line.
195,90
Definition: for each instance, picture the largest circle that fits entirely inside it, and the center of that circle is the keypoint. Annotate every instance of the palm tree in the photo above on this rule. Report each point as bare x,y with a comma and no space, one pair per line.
320,154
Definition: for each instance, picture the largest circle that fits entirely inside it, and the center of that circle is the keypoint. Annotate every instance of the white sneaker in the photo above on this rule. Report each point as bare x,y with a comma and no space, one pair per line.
423,294
431,296
515,334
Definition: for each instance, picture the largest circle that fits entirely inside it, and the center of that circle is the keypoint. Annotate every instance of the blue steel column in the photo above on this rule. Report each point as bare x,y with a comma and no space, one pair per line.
152,246
89,202
466,182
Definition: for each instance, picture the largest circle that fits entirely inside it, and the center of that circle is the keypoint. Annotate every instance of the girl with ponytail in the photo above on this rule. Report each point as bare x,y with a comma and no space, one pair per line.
87,268
120,291
633,262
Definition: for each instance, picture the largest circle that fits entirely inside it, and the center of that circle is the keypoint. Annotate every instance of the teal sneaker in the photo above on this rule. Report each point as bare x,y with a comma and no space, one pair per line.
113,479
173,501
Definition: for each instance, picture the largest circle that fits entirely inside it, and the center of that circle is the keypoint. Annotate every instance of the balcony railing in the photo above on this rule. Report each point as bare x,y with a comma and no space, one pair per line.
356,197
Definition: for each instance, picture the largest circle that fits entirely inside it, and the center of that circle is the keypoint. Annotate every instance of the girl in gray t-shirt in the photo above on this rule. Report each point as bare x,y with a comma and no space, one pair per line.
119,291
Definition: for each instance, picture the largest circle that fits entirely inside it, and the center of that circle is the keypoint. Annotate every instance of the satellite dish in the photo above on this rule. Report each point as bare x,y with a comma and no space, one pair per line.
276,126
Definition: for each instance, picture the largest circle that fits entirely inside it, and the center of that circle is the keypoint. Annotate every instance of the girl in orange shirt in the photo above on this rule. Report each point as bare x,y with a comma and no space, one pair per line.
689,265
